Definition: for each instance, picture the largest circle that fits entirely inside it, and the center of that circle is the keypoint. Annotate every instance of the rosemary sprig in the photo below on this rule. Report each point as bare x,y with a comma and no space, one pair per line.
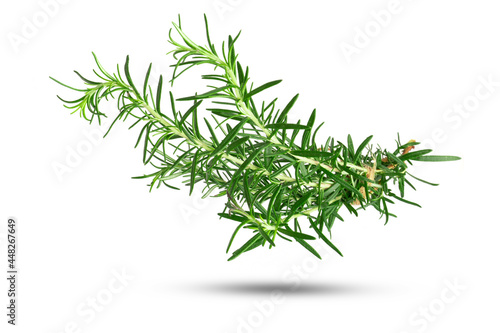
273,172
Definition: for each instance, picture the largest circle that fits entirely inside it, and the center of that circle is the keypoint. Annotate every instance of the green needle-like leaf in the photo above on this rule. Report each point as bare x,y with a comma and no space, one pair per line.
287,126
324,238
296,234
251,244
230,136
436,158
361,147
262,88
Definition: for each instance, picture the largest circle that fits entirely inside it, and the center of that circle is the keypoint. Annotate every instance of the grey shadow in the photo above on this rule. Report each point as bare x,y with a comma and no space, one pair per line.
304,288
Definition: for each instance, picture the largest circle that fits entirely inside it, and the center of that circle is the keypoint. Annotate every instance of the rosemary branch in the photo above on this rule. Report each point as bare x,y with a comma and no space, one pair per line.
253,155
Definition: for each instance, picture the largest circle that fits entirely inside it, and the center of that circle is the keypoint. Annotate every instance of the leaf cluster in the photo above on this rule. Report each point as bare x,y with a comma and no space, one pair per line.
278,179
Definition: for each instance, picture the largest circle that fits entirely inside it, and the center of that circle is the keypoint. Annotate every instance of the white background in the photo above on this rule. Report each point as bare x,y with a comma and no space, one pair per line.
76,232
